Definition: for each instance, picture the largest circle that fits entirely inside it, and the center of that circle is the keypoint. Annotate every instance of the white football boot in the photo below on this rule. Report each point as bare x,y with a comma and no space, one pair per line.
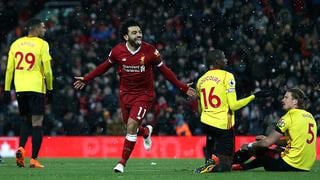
119,168
147,142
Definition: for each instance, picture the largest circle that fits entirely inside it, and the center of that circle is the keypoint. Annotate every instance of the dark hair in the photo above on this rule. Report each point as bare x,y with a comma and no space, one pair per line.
300,96
125,25
32,24
215,57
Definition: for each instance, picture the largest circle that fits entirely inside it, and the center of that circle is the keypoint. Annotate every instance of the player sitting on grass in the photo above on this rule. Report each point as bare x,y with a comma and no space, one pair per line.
299,131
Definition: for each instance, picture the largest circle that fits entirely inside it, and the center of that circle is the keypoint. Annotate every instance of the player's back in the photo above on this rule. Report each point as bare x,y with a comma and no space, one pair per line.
26,55
212,88
302,132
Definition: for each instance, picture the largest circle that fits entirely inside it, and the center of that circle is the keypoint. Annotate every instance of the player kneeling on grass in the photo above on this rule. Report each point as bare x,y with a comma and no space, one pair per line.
217,105
297,128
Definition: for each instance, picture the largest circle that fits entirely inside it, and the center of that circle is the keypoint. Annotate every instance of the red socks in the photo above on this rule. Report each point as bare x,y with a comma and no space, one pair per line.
128,147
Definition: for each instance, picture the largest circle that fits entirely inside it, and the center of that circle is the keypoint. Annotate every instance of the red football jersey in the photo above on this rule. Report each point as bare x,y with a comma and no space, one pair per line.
136,72
136,68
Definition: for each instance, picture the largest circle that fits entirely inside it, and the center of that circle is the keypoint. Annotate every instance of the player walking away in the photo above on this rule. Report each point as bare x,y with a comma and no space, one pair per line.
218,102
296,130
29,63
136,61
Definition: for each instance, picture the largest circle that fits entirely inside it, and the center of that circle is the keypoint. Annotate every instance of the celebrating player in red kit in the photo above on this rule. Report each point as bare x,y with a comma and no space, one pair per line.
136,61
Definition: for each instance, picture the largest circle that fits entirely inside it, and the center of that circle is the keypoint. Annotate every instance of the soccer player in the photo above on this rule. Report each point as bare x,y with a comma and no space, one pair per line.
297,128
218,102
136,61
29,63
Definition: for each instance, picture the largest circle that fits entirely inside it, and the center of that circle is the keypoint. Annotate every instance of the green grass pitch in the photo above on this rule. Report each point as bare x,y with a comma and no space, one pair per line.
136,169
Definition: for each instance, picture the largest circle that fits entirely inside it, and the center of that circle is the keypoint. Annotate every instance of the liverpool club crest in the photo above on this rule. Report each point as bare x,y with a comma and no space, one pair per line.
142,67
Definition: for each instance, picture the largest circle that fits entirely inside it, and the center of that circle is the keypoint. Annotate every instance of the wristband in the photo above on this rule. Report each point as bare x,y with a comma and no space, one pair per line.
250,147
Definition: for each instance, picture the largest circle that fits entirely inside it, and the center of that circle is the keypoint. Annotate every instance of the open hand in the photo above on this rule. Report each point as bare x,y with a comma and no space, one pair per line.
263,93
191,92
79,84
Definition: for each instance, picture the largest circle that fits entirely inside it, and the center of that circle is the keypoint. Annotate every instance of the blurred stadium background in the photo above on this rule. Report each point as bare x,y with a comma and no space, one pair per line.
269,44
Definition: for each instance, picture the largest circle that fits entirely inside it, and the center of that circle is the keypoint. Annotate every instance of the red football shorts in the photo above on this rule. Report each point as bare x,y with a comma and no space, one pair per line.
135,107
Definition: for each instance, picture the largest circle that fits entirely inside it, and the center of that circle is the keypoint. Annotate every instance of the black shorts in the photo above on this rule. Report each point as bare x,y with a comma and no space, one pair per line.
221,140
31,103
272,161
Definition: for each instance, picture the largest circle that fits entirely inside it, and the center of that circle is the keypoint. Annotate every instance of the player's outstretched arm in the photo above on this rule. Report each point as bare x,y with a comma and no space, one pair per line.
79,83
235,104
170,76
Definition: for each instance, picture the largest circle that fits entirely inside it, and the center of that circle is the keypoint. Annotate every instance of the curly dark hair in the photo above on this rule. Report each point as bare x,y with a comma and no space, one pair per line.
125,25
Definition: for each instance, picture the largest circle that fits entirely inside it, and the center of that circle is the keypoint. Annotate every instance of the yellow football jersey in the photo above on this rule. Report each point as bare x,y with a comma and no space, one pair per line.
300,130
218,99
29,63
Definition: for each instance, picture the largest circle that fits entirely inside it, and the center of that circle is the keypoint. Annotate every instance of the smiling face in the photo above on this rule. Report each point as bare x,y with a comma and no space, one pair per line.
288,102
134,36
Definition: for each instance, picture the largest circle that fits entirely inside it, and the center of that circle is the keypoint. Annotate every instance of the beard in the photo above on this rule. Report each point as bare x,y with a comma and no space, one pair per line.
135,42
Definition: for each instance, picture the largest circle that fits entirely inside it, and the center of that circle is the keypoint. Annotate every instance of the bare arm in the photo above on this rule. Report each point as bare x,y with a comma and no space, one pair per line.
272,138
